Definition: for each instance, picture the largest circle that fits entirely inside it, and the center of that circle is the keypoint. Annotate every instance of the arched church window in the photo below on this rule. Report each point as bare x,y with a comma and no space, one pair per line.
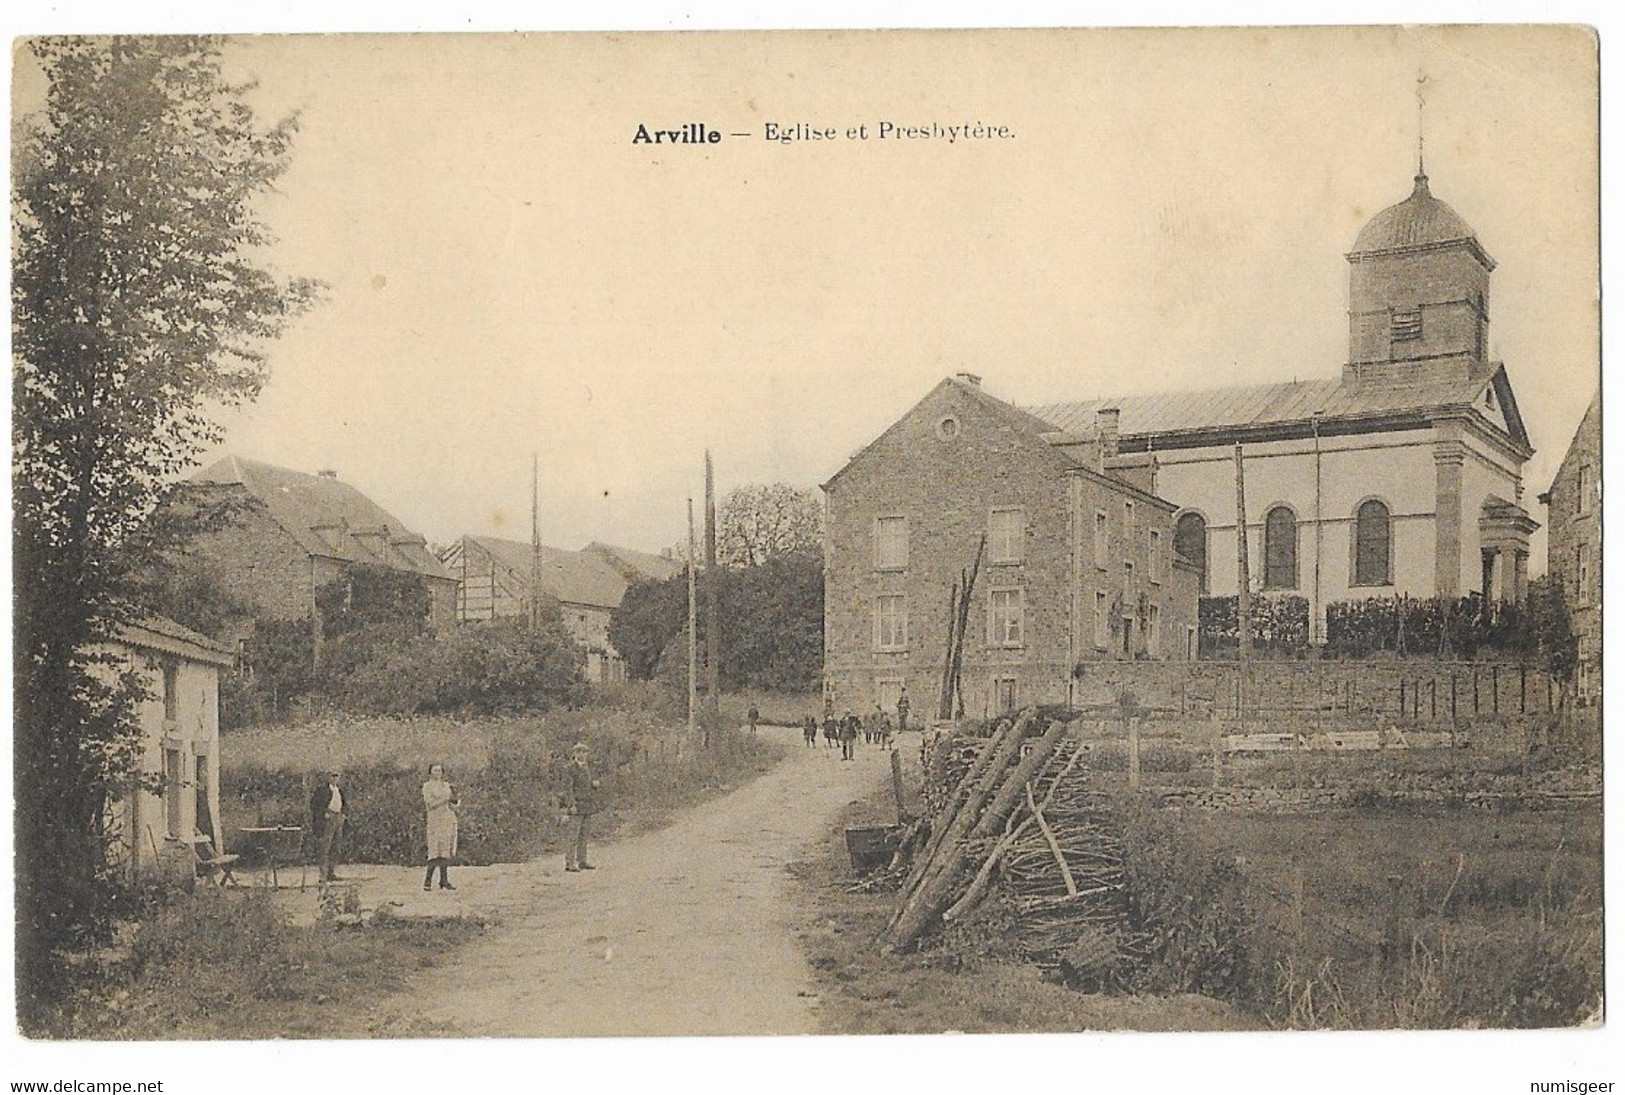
1373,544
1280,549
1190,543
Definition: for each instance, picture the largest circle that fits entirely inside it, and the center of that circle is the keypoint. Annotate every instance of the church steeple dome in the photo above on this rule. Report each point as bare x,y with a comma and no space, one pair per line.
1418,291
1421,220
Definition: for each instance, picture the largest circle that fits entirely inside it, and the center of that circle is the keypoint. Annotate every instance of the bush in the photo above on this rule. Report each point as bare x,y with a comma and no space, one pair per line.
497,667
1279,624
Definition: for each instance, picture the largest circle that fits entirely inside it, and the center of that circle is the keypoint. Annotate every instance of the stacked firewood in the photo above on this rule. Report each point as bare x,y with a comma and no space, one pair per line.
1017,814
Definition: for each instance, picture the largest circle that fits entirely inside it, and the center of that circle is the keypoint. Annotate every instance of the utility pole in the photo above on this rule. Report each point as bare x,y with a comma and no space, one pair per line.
535,548
713,625
1244,592
693,633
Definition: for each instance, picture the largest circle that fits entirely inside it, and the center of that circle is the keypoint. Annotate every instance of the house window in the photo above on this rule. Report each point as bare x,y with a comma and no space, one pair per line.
1005,623
1190,543
1582,489
1128,579
1103,541
891,543
1153,563
1153,631
1373,544
1190,643
1280,549
1407,326
1582,574
1006,529
948,428
1103,626
1128,522
891,622
172,692
1004,695
888,690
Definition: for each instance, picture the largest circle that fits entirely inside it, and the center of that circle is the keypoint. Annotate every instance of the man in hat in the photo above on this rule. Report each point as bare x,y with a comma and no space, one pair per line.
327,805
582,803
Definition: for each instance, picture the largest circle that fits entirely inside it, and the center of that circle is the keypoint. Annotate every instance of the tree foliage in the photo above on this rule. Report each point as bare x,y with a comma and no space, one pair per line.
772,625
760,521
139,300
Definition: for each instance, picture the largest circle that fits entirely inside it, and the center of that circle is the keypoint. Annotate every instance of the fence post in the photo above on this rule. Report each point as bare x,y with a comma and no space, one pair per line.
1452,695
1475,690
1402,697
1133,754
1523,689
1217,732
1433,698
1495,690
1297,910
1390,935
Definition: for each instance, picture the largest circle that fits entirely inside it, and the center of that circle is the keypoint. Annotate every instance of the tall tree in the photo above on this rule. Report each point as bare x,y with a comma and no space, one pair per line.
140,299
764,520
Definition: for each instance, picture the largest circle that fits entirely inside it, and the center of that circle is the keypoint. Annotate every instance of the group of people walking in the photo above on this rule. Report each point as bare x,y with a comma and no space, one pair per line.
877,728
579,800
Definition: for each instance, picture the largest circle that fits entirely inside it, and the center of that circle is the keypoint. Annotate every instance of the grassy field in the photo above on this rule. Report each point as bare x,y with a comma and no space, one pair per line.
1497,915
951,987
508,772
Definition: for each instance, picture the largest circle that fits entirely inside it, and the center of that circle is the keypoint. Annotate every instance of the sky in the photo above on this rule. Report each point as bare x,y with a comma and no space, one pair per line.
510,275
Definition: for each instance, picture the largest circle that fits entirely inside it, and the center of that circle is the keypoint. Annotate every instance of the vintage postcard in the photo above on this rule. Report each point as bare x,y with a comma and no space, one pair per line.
546,536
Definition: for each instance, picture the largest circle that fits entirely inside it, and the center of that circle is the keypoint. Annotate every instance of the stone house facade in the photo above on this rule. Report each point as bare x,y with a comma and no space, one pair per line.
286,534
1079,564
1574,545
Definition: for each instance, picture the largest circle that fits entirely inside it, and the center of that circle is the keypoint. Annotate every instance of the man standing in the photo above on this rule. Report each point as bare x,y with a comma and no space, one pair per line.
583,803
327,806
902,710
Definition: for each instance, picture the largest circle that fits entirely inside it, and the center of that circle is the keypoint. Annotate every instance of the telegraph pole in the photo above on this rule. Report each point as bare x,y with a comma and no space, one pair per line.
1244,593
693,633
713,626
535,548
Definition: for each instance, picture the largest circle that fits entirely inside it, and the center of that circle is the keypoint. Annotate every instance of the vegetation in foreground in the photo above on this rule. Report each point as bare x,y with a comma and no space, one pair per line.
1362,919
227,964
965,982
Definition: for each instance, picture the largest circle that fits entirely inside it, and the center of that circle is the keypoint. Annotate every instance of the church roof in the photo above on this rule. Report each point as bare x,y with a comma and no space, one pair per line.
1420,221
1260,406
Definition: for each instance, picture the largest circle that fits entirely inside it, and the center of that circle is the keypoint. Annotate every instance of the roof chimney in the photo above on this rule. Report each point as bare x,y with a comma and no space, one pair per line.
972,379
1106,422
327,473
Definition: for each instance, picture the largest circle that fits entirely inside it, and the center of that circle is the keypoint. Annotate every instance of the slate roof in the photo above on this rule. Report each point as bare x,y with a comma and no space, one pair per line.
327,517
1421,220
164,635
1259,405
635,564
574,577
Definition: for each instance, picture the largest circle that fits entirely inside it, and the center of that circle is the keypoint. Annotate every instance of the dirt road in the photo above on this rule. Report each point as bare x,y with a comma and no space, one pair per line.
683,931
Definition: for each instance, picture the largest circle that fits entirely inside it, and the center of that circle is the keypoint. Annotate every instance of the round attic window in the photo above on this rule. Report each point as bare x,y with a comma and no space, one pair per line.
948,428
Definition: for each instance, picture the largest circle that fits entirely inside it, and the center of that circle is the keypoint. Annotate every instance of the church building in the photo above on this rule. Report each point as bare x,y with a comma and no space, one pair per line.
1402,475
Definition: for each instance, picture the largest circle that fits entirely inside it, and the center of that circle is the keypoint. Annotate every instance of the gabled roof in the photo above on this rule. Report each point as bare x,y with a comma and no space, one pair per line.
163,635
635,565
574,577
1169,414
327,517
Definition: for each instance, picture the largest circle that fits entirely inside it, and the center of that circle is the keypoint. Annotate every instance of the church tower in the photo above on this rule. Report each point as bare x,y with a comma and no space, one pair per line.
1419,285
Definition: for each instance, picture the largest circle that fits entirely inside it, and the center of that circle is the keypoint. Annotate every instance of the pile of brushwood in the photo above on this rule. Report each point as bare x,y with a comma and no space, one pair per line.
1014,812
